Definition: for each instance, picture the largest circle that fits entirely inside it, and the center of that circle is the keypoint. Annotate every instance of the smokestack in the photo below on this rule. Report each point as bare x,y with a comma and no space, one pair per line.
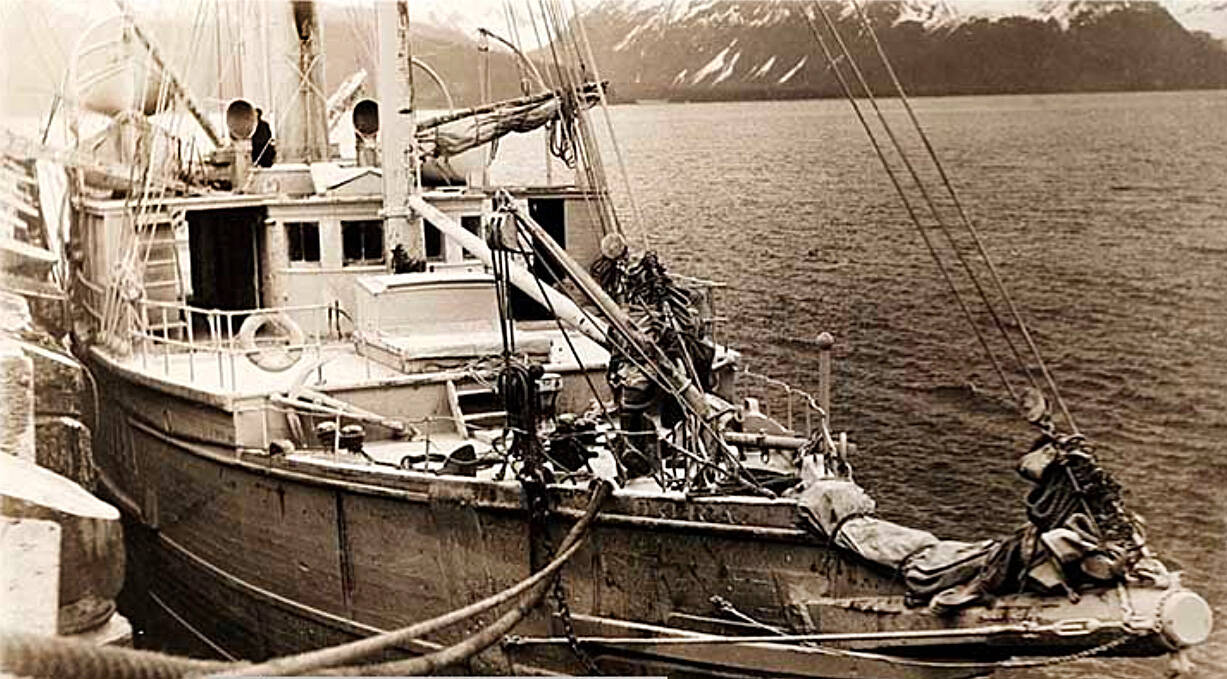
240,123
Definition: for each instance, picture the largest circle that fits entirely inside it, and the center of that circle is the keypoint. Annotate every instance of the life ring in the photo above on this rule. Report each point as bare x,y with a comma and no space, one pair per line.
272,359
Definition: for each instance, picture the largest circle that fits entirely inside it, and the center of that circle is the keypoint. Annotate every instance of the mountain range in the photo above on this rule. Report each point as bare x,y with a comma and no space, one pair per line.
734,49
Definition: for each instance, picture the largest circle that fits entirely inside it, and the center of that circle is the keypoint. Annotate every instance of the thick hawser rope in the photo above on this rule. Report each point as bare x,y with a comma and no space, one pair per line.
36,657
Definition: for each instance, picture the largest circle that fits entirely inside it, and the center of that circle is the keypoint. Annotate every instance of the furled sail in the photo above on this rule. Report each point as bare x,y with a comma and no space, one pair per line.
453,134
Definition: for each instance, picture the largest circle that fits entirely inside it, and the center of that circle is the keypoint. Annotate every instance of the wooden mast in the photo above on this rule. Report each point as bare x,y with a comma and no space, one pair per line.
402,226
302,136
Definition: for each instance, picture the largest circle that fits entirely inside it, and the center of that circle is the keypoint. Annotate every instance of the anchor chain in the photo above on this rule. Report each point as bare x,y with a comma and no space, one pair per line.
540,508
538,499
568,627
1072,657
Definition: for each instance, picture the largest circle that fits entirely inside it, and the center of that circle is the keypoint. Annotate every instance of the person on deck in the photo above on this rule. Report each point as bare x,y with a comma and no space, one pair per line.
263,152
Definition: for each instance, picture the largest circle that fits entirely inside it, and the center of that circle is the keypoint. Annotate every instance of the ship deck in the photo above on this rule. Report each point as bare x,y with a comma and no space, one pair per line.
224,369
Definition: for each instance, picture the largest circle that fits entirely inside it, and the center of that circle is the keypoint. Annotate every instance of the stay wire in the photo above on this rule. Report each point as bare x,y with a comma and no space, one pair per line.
958,250
907,204
936,213
613,139
992,268
570,67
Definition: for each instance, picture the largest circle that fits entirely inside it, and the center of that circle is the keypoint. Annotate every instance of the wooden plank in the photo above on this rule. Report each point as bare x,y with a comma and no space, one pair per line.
453,406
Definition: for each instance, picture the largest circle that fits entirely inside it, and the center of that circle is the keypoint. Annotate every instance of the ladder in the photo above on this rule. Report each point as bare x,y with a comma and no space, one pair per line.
163,251
476,411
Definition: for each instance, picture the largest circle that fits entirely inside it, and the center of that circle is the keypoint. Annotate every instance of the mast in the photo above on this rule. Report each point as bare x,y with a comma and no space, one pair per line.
302,128
401,225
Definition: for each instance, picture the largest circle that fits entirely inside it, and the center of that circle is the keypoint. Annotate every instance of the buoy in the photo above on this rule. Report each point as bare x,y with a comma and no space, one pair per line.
270,358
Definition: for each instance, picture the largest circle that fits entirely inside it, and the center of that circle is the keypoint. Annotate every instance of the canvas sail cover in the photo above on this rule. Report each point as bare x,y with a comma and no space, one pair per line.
454,137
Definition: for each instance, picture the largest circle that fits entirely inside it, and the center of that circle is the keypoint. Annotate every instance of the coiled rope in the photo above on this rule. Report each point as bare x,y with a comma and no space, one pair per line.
37,657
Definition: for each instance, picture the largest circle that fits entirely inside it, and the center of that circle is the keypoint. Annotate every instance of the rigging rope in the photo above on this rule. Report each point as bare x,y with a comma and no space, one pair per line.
1022,326
613,138
572,70
907,204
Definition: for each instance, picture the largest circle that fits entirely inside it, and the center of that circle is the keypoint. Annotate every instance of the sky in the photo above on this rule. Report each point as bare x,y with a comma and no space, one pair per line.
40,63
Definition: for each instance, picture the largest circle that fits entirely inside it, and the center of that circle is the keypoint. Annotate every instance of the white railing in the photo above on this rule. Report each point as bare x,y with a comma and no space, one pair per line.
710,318
792,396
170,328
186,340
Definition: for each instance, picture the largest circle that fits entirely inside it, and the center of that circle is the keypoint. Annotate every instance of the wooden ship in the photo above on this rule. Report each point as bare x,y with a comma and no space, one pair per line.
339,398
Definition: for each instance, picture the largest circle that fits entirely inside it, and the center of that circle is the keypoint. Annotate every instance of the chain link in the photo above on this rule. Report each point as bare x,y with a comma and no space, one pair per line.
568,627
1072,657
539,511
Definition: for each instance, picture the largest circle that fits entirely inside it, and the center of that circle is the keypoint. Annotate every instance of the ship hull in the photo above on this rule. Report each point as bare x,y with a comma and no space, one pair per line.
252,557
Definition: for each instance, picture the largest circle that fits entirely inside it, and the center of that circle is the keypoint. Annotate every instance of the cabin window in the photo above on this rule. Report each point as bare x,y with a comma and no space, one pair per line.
362,242
472,224
303,240
433,241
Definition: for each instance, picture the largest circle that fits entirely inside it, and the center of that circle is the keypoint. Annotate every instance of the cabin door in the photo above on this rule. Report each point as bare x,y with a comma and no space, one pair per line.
225,266
550,213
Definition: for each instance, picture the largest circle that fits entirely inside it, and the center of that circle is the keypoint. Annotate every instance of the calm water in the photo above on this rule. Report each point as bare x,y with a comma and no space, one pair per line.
1107,215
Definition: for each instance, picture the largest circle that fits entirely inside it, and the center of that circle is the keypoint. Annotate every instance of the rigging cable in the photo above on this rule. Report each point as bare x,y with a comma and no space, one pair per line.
1022,326
613,138
572,69
933,209
907,204
566,141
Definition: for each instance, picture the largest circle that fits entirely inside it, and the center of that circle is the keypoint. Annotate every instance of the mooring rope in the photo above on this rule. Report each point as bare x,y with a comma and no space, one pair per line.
28,655
37,657
492,633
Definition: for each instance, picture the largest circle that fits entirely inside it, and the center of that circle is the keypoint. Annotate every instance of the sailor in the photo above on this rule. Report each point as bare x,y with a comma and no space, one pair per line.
263,151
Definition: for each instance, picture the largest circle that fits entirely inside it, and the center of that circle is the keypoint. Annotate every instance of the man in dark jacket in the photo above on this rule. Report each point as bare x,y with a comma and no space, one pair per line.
263,152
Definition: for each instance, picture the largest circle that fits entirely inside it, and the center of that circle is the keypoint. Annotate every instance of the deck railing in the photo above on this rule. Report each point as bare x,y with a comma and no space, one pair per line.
161,332
711,318
172,327
774,390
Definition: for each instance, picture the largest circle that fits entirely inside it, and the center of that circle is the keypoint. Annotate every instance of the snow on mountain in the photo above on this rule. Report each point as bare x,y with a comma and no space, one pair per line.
747,48
947,15
1208,17
1194,15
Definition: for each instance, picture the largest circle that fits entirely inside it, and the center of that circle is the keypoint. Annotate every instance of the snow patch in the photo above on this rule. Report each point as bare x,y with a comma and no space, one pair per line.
728,70
680,77
716,65
763,69
630,37
793,71
946,15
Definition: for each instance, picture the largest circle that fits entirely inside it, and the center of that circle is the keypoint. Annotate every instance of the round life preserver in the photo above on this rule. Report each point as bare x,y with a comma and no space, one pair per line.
273,359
